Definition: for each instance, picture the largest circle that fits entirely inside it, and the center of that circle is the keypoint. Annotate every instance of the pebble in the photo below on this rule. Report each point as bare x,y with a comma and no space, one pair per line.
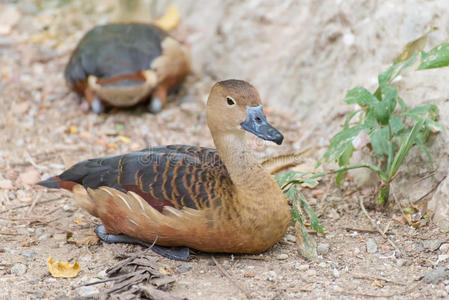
322,249
435,276
43,237
431,245
441,258
87,291
301,268
102,275
183,268
67,207
290,238
322,264
271,276
311,273
282,256
18,269
401,262
356,251
371,246
444,248
28,253
336,273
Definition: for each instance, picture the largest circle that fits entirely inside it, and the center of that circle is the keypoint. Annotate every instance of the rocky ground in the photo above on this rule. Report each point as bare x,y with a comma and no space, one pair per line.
43,131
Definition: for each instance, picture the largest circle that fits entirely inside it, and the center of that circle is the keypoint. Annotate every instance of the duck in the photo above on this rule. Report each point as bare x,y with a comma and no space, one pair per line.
123,64
213,200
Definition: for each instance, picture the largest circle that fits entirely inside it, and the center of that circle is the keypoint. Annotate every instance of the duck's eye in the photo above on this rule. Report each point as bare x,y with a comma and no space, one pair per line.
230,101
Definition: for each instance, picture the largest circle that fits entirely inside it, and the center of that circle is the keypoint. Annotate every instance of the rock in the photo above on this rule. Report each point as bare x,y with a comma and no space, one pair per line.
356,251
87,291
18,269
436,276
282,256
311,273
28,253
301,268
444,248
43,237
322,249
322,264
401,262
67,208
441,258
183,268
336,273
431,245
371,246
290,238
271,276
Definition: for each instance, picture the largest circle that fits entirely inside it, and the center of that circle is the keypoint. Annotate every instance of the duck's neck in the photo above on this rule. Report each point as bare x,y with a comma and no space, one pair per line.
243,167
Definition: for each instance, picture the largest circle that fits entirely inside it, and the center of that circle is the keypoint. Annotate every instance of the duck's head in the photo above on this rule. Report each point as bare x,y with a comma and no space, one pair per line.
234,106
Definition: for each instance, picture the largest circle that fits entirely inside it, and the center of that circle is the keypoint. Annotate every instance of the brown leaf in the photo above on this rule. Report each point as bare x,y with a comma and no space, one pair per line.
60,269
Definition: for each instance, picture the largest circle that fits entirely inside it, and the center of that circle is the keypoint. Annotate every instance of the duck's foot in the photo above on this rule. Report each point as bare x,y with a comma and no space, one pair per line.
155,105
98,106
175,253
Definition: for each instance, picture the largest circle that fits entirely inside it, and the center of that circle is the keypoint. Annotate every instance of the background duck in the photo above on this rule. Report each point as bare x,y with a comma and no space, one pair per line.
122,64
212,200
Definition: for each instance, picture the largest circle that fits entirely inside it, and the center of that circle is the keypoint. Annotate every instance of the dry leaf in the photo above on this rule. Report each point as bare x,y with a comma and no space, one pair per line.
73,129
60,269
30,176
124,139
376,283
169,20
79,222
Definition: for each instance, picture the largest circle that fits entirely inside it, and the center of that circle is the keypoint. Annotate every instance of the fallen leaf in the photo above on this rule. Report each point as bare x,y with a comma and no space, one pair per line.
79,222
169,20
29,177
124,139
6,184
376,283
73,129
60,269
166,271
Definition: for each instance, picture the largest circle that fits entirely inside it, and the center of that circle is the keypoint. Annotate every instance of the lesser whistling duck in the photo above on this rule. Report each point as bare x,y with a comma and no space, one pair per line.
122,64
212,200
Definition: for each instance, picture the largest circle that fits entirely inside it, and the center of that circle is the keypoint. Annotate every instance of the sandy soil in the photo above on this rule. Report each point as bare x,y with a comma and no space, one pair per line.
43,131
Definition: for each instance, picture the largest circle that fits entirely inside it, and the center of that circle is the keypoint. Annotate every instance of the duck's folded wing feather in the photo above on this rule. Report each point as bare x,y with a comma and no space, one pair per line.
178,176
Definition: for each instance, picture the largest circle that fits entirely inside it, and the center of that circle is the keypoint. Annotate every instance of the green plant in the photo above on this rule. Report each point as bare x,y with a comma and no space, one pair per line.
391,126
290,182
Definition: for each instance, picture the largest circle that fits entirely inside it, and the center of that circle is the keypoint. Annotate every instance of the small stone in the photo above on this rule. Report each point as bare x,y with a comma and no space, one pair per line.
322,249
60,236
271,276
441,294
441,258
436,276
102,275
311,273
322,264
371,246
282,256
290,238
28,253
12,196
18,269
444,248
356,251
67,208
87,291
43,237
336,273
431,245
183,268
401,262
301,268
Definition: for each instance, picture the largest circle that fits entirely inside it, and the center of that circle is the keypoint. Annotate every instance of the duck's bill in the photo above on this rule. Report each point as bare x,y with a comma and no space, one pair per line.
257,124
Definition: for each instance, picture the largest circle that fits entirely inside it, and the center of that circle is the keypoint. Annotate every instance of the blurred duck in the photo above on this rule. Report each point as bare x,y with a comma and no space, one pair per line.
120,65
211,200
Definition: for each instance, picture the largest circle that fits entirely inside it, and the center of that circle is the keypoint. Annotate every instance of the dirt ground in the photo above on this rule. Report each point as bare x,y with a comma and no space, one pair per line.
43,131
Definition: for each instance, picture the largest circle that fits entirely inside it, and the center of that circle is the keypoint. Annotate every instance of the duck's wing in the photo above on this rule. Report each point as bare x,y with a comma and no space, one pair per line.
175,176
114,50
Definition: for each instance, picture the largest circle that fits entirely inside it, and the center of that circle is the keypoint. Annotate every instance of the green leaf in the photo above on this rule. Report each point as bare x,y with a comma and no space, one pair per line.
349,118
361,96
346,155
396,124
340,176
283,178
436,58
314,221
385,108
380,141
396,69
340,141
404,149
402,104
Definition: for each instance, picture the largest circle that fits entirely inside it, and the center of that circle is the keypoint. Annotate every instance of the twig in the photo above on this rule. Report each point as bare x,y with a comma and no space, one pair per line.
371,277
400,208
39,194
365,230
32,162
28,204
226,274
431,190
377,227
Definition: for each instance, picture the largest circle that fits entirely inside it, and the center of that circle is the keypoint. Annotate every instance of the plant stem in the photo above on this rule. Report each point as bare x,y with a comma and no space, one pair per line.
384,192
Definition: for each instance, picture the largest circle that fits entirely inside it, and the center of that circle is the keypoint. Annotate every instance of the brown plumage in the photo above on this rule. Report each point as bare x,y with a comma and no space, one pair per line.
122,64
212,200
